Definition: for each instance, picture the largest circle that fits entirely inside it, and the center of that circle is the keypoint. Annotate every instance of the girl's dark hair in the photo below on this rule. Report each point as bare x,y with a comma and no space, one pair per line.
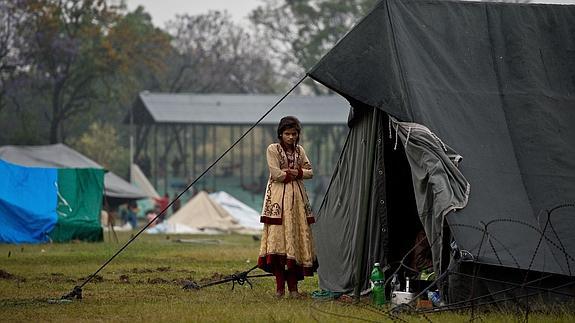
289,122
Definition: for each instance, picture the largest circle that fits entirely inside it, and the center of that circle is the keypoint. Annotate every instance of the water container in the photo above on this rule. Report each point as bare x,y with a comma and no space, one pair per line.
395,284
378,289
434,297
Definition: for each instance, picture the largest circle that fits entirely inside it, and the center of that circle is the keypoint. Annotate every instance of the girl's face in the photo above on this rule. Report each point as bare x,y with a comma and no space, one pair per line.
290,136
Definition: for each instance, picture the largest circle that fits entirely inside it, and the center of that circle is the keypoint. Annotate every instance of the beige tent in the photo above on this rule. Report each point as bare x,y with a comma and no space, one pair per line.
138,178
201,212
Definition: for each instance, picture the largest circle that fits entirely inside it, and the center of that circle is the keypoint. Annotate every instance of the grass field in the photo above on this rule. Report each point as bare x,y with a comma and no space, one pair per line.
145,282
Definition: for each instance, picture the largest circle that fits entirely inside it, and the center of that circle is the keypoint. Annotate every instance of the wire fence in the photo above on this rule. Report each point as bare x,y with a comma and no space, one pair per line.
545,292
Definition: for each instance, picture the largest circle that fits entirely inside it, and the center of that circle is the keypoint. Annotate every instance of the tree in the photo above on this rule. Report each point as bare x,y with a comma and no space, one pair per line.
213,54
300,32
101,144
74,50
11,18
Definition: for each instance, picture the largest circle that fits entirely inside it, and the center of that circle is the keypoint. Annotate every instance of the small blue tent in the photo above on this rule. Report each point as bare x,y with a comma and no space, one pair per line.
28,201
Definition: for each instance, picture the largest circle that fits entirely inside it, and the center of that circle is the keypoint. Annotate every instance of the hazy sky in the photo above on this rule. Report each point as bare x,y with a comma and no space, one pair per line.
164,10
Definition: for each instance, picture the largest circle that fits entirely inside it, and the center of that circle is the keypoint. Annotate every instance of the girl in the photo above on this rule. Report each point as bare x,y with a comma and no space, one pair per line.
287,246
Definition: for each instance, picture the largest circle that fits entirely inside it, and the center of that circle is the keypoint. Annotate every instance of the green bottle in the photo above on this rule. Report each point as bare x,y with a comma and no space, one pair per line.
377,289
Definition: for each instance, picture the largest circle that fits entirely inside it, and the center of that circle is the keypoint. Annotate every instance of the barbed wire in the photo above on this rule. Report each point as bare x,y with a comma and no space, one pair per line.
527,289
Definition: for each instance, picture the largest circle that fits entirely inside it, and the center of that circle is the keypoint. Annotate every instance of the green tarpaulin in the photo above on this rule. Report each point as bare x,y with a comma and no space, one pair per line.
79,203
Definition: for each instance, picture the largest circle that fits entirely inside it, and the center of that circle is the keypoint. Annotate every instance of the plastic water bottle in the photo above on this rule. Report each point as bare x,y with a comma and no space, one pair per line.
407,289
377,290
434,297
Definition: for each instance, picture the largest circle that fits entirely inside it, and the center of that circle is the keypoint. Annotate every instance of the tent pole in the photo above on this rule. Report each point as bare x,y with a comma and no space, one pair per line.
185,153
156,155
194,145
214,154
166,152
241,163
131,144
231,128
205,150
252,161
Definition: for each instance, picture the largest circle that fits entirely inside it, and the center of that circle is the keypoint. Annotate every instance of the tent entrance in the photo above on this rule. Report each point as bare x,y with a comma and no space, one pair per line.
369,213
383,197
403,221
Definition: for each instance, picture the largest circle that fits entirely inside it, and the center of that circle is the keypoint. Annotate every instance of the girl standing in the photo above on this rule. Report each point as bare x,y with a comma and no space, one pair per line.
287,248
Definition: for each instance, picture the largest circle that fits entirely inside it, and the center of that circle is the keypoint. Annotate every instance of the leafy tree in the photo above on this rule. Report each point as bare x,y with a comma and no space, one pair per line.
213,54
81,55
11,18
300,32
101,143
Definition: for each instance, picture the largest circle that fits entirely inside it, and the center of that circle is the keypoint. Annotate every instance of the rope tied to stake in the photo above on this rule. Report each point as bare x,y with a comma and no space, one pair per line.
239,278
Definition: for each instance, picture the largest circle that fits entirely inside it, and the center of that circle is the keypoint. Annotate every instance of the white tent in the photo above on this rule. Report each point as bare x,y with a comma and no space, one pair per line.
245,215
201,212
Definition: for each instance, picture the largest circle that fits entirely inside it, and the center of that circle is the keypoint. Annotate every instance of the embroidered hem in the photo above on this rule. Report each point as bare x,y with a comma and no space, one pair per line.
271,262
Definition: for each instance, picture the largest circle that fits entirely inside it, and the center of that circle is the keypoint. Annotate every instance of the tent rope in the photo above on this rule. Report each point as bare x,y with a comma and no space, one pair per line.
239,278
77,291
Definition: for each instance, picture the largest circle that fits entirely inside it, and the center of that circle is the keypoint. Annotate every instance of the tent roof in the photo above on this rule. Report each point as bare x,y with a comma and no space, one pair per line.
236,109
202,212
62,156
496,82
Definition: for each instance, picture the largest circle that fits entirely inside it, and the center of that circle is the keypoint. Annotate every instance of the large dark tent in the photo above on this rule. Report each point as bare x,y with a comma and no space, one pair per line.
463,124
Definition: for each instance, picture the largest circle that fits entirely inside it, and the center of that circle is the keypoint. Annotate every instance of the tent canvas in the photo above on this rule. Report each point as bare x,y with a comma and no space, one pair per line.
61,156
27,203
79,204
49,204
493,81
201,212
138,178
243,214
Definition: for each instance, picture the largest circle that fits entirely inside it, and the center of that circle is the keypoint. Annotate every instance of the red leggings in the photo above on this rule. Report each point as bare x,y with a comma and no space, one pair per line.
285,275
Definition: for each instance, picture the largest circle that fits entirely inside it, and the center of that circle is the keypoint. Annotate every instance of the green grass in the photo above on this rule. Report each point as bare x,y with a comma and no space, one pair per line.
145,283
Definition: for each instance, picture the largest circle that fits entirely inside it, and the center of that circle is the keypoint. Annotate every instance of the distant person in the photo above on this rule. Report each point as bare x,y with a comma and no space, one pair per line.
161,205
287,248
151,215
132,214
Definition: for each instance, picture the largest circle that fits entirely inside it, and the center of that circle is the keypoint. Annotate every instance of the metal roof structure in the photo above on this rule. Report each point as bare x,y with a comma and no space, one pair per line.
236,109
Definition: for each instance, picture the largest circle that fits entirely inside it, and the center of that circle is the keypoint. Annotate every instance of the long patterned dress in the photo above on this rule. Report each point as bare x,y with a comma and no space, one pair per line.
287,239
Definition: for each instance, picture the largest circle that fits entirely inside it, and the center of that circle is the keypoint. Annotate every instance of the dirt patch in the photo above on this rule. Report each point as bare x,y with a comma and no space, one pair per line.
163,269
8,276
158,280
141,271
